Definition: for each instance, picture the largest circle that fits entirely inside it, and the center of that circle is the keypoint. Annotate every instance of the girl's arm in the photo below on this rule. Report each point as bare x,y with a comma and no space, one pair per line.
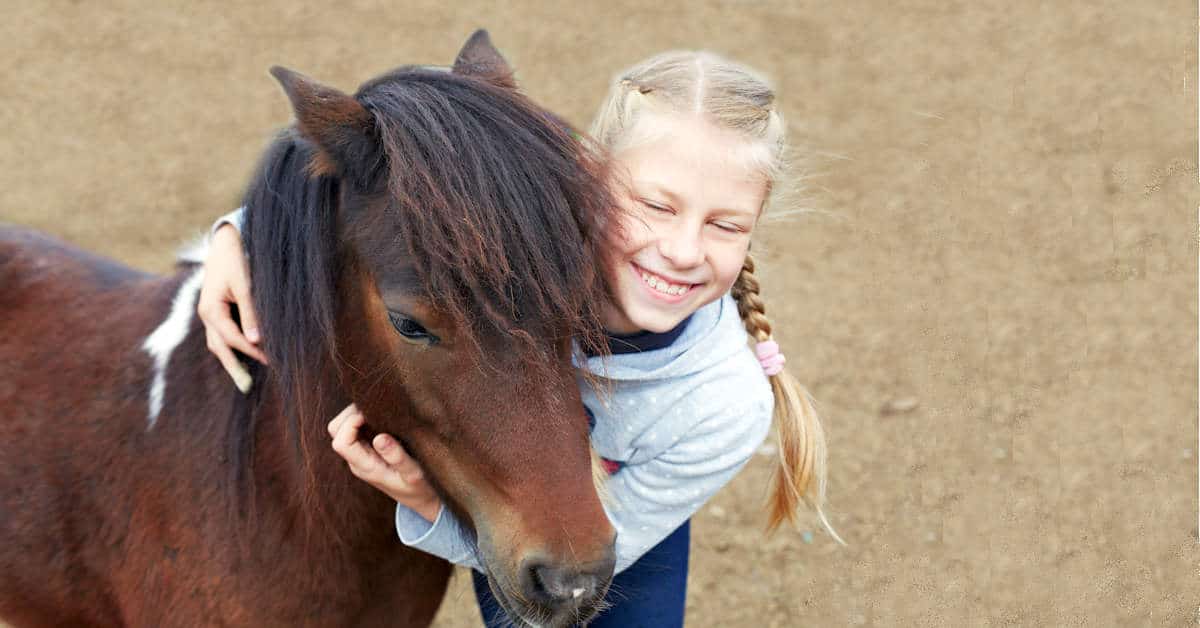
227,283
647,501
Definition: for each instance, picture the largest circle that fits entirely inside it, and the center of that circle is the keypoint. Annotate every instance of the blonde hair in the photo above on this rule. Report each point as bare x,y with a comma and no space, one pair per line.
734,98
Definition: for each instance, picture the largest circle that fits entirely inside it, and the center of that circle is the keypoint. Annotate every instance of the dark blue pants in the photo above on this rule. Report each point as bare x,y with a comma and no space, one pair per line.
649,594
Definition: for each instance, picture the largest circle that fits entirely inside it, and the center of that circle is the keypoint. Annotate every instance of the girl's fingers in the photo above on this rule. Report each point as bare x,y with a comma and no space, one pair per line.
248,316
363,460
341,416
357,454
347,429
233,337
398,460
391,451
233,366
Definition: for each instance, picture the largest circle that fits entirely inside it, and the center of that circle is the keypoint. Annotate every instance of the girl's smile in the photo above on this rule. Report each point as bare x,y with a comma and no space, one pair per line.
662,287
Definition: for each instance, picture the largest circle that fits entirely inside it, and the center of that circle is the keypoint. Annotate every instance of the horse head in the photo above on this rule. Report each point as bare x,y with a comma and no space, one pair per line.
457,232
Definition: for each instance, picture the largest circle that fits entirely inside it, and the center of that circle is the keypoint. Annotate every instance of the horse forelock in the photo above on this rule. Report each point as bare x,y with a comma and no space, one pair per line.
495,206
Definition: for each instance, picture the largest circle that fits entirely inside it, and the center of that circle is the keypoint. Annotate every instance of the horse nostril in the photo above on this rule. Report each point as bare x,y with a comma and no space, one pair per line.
554,586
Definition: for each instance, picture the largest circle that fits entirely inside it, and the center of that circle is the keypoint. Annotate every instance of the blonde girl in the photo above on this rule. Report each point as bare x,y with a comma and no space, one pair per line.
698,148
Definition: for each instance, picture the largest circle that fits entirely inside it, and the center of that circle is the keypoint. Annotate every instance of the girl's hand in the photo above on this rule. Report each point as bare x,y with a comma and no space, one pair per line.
383,464
227,282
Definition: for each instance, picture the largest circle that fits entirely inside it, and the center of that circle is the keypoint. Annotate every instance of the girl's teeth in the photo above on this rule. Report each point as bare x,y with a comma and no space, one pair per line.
662,286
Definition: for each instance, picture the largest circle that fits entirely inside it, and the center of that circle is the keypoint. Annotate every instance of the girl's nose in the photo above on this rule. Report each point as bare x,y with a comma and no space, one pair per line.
683,248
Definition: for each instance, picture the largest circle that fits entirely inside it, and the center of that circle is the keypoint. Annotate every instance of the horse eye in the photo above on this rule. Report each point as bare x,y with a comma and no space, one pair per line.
412,330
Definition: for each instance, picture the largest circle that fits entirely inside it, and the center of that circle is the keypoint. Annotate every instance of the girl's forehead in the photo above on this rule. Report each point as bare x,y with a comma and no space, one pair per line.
687,130
694,141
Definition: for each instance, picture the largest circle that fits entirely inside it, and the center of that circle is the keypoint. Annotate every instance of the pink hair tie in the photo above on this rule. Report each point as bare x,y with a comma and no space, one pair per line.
769,357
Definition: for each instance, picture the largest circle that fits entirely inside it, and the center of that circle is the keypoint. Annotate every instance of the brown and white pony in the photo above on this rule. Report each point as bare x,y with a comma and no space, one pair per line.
425,248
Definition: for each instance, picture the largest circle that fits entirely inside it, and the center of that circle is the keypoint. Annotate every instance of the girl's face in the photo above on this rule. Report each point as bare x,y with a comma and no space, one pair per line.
691,202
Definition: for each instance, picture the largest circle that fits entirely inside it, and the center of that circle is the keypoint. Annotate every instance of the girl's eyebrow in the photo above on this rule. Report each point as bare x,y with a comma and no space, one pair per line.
732,213
654,186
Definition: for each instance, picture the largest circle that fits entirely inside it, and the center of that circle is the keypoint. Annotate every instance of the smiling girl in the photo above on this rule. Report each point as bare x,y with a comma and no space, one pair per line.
697,146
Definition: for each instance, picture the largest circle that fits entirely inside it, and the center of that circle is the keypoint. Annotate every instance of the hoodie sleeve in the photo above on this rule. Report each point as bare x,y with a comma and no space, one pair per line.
236,218
445,537
647,501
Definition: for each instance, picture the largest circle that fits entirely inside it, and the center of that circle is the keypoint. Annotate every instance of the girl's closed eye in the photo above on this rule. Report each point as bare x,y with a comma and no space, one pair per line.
656,206
728,227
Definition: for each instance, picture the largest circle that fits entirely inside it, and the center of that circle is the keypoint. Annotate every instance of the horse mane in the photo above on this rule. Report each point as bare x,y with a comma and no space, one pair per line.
291,243
495,206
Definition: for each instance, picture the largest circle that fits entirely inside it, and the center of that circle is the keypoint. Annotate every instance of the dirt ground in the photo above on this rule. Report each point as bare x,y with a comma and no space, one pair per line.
1006,233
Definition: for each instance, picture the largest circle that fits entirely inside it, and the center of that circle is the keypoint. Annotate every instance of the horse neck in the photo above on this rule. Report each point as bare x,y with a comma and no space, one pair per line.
295,468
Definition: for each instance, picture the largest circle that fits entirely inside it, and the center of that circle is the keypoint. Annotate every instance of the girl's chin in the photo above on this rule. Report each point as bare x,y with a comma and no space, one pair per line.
655,322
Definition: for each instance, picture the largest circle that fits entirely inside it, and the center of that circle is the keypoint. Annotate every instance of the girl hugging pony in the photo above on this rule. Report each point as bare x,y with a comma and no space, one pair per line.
697,146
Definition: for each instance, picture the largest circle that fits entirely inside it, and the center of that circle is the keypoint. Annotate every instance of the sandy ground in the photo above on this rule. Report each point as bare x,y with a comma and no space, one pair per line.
1006,233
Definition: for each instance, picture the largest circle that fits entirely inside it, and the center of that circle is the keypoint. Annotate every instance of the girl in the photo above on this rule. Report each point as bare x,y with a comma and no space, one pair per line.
697,144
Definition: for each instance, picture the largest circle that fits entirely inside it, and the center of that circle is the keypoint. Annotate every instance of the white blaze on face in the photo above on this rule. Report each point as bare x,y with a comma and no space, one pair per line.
163,340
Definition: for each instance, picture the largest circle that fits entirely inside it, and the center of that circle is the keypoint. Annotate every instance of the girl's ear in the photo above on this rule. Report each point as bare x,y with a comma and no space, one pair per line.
480,59
339,126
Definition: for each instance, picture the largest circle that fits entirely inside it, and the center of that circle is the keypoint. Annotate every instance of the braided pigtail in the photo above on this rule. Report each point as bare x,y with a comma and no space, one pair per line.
800,473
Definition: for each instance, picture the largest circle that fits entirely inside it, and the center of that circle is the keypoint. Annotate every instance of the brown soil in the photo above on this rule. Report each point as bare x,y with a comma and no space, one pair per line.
1007,235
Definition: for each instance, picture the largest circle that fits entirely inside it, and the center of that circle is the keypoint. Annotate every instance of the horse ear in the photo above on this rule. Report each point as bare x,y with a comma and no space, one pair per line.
335,122
480,59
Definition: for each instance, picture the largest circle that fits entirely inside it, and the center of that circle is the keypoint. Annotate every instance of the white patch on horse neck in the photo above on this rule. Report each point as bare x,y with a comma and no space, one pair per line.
163,340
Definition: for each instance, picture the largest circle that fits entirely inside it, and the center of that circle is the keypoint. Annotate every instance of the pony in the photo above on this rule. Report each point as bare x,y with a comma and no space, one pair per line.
426,248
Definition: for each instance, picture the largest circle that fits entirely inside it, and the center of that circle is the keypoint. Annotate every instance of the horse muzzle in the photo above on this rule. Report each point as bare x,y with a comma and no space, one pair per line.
548,594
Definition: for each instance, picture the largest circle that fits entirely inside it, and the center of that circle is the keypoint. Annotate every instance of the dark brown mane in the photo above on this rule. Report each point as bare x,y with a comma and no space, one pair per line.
499,208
